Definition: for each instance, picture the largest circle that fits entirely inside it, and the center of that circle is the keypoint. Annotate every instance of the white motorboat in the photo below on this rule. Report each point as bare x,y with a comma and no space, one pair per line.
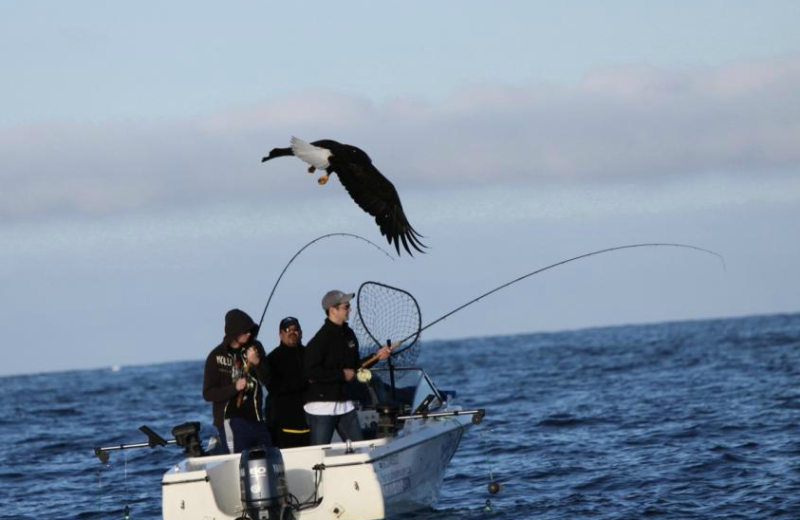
398,469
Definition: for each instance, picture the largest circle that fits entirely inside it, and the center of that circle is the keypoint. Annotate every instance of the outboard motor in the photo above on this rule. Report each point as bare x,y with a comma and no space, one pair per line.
263,483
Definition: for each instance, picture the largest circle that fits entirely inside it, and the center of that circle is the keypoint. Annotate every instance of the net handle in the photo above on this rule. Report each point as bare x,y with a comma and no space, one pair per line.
374,357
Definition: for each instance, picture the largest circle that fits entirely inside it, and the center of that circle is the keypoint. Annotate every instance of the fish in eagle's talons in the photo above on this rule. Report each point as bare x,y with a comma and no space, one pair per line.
373,192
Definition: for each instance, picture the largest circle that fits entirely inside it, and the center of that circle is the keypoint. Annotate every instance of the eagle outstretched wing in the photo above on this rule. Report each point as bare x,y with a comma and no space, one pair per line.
376,195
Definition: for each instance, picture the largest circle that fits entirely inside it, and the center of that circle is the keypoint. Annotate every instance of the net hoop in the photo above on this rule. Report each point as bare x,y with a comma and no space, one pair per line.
400,322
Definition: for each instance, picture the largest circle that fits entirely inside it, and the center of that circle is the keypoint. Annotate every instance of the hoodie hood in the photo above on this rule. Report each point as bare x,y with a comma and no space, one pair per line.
238,322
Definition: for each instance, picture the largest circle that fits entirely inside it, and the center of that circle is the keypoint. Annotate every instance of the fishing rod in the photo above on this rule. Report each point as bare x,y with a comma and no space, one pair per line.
557,264
323,237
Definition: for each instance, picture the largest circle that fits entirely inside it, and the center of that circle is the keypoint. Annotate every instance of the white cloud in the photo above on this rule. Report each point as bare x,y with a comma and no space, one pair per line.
619,125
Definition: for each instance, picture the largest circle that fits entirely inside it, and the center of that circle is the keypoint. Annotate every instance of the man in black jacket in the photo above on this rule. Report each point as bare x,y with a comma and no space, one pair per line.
232,382
331,362
287,389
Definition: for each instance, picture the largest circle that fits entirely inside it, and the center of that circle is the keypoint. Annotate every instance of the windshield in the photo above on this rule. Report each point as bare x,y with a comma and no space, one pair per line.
412,388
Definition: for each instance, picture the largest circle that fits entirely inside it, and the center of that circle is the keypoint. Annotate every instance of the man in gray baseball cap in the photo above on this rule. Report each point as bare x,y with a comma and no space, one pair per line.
334,298
331,362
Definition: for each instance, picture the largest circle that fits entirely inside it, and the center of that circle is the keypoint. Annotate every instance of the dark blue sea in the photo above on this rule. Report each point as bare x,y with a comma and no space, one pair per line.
683,420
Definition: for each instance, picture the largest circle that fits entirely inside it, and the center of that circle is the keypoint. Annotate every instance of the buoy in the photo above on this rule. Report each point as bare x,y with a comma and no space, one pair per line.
494,488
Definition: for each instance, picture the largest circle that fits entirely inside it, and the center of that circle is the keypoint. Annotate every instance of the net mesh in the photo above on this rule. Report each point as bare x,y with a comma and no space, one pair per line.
386,313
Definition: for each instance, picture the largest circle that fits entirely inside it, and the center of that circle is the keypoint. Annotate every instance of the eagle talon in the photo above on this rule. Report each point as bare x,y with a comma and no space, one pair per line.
311,169
322,180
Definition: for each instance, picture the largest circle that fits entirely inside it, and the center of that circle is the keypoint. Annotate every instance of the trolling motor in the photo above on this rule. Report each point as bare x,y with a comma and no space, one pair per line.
262,480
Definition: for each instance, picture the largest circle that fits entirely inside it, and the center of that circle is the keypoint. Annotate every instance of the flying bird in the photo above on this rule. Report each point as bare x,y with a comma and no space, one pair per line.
373,192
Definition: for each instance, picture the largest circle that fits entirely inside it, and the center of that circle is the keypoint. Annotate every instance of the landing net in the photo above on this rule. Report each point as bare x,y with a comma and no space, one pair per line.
387,314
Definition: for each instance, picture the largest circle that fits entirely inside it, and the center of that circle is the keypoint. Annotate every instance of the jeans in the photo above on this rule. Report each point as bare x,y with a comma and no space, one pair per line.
241,434
322,427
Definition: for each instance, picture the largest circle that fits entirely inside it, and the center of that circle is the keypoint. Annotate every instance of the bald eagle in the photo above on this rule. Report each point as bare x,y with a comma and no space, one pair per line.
373,192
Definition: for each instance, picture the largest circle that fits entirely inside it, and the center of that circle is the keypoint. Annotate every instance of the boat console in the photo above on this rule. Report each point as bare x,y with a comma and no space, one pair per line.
380,404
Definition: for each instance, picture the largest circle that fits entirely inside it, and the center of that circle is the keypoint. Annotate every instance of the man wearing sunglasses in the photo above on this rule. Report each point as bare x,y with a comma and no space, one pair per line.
331,362
287,388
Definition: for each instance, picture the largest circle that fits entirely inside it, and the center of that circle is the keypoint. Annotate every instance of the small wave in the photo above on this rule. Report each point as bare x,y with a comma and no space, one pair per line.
790,402
62,412
651,511
92,514
568,421
688,433
730,457
602,482
12,475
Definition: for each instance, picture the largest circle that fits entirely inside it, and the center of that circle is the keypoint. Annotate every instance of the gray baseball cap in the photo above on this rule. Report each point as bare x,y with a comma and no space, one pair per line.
334,298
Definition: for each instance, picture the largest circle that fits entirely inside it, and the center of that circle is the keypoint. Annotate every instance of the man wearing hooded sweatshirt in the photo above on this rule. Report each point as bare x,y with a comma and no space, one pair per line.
232,380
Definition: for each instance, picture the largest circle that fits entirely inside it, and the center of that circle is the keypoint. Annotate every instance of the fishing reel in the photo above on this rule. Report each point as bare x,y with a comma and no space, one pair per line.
364,375
238,373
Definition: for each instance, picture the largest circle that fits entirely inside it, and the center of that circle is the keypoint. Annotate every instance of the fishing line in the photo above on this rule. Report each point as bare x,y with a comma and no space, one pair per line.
494,486
329,235
126,514
100,484
579,257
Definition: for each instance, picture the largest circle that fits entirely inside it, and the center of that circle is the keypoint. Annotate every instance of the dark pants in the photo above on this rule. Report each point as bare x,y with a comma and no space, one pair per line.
246,434
291,439
322,427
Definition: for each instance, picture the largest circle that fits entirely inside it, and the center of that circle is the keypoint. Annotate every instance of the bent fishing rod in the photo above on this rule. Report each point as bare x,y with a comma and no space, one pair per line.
552,266
323,237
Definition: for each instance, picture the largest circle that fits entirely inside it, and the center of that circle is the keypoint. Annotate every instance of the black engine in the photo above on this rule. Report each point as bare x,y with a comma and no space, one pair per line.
263,483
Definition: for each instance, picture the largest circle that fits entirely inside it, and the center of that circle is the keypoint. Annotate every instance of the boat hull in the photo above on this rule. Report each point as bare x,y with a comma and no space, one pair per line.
371,480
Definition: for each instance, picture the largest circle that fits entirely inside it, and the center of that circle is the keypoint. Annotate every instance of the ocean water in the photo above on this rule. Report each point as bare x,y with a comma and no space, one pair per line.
675,421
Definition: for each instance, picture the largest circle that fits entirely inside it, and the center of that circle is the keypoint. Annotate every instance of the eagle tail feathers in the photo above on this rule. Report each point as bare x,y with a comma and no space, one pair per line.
312,155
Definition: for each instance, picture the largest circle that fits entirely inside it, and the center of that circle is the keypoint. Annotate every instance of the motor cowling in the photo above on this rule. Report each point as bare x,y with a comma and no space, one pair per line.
263,483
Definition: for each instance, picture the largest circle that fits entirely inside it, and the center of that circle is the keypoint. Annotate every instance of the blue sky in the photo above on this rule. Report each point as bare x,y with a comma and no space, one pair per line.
135,210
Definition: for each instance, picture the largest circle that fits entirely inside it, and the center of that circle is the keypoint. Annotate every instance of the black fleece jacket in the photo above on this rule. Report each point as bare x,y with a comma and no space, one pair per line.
332,349
287,389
